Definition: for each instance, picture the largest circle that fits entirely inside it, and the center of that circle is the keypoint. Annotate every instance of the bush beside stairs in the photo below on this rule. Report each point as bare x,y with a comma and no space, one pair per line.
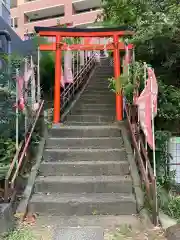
85,171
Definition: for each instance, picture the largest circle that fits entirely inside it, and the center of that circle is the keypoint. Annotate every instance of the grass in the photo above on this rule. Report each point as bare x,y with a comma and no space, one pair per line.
23,233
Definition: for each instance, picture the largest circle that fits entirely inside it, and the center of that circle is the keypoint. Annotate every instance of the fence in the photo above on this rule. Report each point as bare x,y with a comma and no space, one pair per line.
142,160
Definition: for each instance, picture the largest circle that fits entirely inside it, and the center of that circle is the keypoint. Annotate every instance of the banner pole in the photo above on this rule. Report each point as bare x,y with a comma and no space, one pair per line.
154,159
153,131
145,79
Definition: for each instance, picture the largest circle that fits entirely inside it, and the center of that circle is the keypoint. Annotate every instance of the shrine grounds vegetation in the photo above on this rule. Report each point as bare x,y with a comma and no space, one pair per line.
157,29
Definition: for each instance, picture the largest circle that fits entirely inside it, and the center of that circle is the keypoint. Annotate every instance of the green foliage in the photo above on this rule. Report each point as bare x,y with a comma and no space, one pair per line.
7,150
7,112
123,12
128,80
8,115
156,24
169,203
47,68
47,62
169,104
22,233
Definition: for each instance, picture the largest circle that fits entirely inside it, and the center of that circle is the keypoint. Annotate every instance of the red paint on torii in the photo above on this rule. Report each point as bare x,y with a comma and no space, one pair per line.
59,46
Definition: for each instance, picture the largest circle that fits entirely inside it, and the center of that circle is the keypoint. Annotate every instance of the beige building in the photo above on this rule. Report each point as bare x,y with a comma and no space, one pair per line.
25,14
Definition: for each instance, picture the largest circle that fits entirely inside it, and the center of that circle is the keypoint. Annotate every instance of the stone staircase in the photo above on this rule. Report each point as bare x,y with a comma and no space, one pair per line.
85,171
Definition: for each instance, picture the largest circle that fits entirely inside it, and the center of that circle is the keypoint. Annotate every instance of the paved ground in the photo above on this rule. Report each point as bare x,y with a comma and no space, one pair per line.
47,229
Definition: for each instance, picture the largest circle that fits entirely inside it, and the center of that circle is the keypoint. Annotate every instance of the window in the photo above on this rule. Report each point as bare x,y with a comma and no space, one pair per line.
14,22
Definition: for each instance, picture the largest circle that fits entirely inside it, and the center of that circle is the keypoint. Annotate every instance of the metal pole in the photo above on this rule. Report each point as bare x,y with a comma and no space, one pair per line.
38,78
17,109
33,85
73,62
77,62
26,95
145,76
154,158
9,65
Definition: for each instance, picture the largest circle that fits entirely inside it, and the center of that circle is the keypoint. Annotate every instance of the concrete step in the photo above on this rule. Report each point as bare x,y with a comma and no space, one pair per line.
91,118
98,88
83,204
84,131
81,105
98,95
84,168
75,155
81,143
78,233
98,82
102,96
104,68
75,123
94,100
110,222
96,107
103,72
84,184
101,112
102,75
107,68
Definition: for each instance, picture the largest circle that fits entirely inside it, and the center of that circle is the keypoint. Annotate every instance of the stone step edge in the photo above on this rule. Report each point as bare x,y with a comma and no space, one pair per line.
83,179
83,197
85,163
86,150
84,138
62,126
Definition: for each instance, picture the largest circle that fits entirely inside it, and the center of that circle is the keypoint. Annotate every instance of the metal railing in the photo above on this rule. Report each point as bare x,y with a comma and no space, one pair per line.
80,76
148,180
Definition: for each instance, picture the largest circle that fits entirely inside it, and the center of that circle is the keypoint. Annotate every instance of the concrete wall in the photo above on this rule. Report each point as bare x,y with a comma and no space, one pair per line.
5,11
18,45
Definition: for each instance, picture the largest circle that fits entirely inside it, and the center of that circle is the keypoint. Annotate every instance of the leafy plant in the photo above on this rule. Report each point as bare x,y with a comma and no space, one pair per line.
7,150
22,233
127,82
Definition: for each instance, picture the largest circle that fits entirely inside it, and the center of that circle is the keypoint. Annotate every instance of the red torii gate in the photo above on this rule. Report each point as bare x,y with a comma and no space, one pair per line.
59,46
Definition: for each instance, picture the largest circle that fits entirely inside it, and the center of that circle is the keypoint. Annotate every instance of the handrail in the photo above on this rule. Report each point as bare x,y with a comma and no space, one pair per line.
67,94
144,166
19,156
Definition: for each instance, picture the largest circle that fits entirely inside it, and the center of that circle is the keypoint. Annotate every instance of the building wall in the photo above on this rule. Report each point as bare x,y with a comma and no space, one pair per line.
17,45
23,14
4,23
5,10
